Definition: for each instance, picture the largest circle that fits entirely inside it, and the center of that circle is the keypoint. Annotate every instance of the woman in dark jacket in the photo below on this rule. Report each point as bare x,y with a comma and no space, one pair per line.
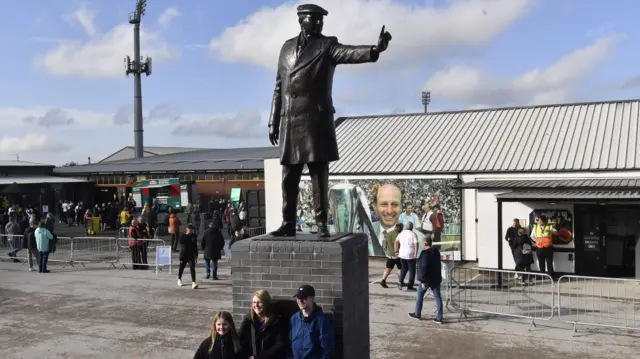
523,254
263,334
212,245
223,343
188,254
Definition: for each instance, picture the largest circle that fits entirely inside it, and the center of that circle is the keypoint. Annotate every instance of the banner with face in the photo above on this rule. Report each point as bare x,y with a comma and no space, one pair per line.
374,206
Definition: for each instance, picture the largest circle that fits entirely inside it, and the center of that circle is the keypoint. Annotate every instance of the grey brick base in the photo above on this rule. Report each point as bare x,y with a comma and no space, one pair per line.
336,267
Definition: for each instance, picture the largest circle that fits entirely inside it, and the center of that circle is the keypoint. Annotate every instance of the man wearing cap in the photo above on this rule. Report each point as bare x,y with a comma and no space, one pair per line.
302,111
311,335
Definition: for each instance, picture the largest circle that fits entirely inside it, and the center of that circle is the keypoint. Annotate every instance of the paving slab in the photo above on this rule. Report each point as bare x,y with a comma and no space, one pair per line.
95,312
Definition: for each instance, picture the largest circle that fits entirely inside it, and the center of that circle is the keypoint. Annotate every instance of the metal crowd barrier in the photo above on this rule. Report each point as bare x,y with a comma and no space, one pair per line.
11,249
94,250
127,256
600,302
497,292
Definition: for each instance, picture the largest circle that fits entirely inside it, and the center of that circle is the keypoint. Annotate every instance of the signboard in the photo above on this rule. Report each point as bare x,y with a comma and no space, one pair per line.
138,198
235,194
163,255
184,198
45,208
592,243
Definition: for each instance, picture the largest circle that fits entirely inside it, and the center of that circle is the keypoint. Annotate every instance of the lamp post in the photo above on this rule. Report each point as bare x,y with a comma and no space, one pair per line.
138,66
426,99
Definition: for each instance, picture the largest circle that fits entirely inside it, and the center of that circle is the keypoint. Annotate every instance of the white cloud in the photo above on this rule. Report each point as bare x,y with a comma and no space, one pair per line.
32,142
86,17
167,16
101,56
552,84
419,31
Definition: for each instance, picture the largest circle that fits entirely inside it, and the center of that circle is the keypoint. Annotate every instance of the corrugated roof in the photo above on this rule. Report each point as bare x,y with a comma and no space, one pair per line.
128,152
37,180
551,184
566,137
214,160
573,195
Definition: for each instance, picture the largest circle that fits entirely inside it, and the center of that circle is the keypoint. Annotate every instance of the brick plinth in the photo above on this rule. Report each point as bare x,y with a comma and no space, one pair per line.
337,267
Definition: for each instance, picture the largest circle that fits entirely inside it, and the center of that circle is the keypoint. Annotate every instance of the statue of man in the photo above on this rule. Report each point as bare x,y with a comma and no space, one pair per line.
302,111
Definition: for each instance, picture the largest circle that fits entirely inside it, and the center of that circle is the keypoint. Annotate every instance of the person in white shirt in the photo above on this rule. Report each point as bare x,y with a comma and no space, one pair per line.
406,248
427,225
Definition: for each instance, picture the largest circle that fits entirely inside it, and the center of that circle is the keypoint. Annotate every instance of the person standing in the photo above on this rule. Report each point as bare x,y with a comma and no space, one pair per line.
212,245
43,243
429,276
542,234
406,248
14,232
511,237
523,254
389,249
135,245
188,255
311,334
29,242
174,229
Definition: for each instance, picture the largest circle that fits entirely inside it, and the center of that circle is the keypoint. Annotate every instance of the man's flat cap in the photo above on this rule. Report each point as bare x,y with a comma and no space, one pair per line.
312,9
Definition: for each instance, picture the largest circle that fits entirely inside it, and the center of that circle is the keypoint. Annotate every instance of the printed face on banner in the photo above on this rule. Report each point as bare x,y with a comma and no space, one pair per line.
375,206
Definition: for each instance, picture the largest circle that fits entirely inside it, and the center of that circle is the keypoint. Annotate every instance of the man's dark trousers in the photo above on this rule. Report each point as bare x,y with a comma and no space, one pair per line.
408,265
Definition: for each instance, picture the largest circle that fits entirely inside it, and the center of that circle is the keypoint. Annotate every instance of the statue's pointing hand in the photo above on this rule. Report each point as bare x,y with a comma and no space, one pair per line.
383,40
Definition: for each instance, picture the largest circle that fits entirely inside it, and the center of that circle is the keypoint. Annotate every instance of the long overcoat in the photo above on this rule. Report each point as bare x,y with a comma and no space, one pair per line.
302,105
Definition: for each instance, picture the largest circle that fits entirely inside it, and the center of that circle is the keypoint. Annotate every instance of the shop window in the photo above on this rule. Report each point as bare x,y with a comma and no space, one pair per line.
246,176
216,176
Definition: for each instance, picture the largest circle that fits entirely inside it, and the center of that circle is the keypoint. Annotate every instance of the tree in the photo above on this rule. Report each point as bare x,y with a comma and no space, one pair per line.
70,164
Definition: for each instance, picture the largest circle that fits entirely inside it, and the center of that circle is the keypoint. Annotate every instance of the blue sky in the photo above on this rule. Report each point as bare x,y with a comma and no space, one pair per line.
64,95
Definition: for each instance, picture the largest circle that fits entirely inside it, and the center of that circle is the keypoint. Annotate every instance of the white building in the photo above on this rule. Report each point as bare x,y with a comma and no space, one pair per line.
578,163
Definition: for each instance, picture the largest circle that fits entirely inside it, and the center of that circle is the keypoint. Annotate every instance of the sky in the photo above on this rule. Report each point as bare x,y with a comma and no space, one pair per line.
64,95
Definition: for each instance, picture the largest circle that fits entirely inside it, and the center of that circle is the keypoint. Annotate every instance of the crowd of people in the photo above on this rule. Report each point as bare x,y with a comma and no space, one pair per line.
27,229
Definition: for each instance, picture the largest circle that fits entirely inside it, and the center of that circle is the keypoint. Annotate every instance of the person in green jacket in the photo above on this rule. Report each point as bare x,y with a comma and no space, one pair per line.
389,251
43,243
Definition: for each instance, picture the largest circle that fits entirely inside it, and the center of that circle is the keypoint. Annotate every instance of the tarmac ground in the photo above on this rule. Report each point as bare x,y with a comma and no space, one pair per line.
97,312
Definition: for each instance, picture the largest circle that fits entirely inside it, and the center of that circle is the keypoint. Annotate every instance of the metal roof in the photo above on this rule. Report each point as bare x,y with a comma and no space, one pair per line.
565,137
556,183
570,195
37,180
213,160
22,164
129,152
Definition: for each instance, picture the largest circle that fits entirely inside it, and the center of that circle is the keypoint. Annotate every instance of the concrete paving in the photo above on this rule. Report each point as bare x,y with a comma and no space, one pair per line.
95,312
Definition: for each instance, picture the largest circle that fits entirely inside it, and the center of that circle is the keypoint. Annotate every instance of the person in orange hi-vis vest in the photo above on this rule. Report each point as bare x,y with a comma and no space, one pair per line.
542,233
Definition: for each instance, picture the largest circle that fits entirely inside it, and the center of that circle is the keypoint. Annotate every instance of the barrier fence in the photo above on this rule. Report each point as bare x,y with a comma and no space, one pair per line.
600,302
82,250
498,292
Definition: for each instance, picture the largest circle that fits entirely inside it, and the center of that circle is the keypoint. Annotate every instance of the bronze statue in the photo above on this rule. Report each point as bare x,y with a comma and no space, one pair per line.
302,111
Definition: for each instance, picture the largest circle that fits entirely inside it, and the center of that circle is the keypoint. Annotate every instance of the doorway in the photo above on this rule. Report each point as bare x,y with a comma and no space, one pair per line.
606,237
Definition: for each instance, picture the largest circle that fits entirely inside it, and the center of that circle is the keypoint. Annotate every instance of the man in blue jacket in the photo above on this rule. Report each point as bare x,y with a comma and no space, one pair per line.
311,335
429,276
